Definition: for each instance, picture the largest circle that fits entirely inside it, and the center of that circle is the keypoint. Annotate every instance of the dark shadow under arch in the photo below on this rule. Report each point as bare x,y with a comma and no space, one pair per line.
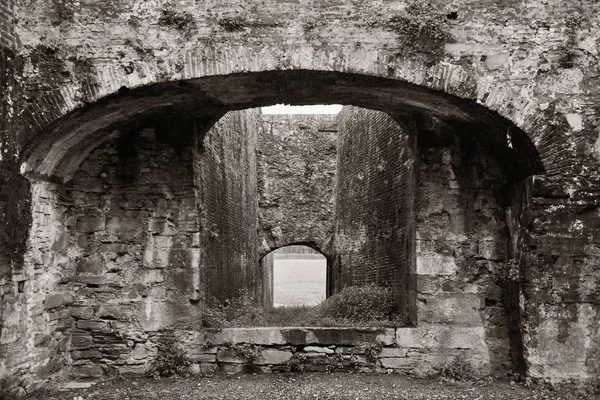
55,153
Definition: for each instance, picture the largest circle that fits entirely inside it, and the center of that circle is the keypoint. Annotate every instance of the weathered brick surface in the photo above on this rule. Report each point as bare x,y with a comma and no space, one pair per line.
296,171
374,235
225,174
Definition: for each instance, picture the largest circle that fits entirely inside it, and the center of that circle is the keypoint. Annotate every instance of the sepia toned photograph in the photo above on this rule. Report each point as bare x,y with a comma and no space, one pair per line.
299,199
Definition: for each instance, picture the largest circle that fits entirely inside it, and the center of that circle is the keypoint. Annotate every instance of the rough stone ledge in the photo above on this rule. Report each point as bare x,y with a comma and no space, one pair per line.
301,336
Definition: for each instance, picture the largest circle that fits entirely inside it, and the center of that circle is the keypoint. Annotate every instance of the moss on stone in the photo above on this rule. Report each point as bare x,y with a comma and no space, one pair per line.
183,21
421,28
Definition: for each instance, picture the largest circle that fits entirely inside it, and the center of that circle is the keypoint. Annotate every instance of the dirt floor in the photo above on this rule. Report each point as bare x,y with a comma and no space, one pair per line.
306,386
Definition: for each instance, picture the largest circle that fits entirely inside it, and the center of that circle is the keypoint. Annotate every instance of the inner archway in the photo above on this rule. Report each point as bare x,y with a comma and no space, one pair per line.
299,276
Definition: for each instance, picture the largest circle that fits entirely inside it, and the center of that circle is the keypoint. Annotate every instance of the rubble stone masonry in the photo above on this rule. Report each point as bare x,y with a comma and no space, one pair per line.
106,218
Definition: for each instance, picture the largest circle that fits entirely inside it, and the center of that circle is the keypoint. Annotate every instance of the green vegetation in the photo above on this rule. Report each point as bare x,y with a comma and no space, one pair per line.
367,305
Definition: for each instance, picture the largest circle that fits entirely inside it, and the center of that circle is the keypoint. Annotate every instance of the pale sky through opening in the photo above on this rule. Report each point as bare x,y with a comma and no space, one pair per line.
314,109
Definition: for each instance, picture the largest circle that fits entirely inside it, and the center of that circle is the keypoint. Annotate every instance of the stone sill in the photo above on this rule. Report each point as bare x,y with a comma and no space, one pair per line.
424,336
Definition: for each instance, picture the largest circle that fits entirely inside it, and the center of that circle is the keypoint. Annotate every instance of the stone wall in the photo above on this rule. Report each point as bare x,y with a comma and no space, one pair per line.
374,205
559,278
422,351
521,75
135,236
462,243
226,180
296,175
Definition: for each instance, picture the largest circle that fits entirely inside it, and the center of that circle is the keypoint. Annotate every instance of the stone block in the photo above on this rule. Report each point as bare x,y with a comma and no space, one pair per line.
141,351
273,357
441,337
114,311
436,264
496,61
392,352
81,340
57,300
62,242
126,228
153,276
85,354
226,355
82,312
90,223
208,368
261,336
302,336
203,358
132,370
399,363
349,336
90,325
316,349
451,308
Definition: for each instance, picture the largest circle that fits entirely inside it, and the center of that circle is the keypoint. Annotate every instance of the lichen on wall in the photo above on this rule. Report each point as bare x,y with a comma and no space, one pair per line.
296,157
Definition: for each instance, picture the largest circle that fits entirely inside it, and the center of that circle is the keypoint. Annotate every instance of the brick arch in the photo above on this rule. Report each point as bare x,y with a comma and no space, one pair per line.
66,124
318,244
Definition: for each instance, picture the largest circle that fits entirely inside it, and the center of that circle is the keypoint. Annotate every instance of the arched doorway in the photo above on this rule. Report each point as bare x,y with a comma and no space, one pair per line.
299,276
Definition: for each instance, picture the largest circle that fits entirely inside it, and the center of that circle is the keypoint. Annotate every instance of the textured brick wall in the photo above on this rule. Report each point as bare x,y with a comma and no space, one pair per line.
462,243
225,167
296,177
374,239
7,34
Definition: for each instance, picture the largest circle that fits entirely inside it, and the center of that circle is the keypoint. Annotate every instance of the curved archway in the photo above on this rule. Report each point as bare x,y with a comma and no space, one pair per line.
64,144
199,102
295,274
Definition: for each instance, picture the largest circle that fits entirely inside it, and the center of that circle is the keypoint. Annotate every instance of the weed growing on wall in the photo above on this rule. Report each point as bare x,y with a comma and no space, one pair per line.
456,371
297,363
249,351
232,24
371,349
421,28
183,21
171,360
241,311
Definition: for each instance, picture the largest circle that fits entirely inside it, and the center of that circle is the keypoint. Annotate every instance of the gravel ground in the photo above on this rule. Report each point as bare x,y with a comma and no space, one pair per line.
306,386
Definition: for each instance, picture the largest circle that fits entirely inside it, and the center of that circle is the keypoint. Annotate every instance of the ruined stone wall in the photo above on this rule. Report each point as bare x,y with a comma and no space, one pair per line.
135,236
296,176
374,205
533,63
422,351
225,177
15,218
462,244
560,280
